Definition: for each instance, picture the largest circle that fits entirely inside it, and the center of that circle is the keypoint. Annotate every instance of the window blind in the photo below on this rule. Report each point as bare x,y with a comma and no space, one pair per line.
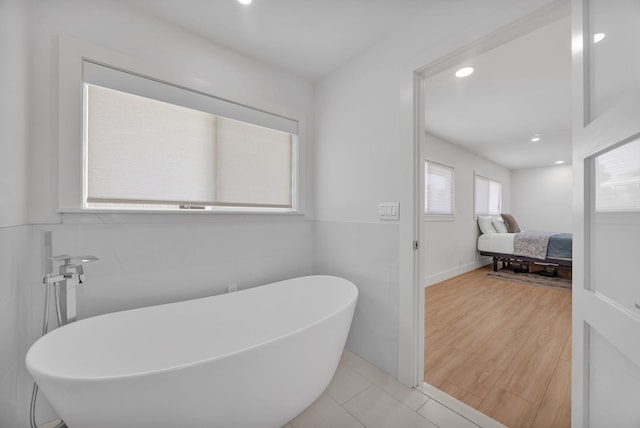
112,78
488,196
438,189
253,164
146,152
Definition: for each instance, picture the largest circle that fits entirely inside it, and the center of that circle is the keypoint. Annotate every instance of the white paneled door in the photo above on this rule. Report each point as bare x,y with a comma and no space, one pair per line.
606,159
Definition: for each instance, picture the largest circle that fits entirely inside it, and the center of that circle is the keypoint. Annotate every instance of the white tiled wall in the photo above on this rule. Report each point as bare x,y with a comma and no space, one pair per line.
140,265
366,254
148,264
14,281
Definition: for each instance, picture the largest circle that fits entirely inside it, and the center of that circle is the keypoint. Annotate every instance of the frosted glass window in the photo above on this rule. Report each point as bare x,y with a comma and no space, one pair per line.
617,179
149,154
488,196
438,189
615,223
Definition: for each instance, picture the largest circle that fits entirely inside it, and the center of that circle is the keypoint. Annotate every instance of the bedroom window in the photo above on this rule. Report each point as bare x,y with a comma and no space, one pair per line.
438,185
150,145
488,196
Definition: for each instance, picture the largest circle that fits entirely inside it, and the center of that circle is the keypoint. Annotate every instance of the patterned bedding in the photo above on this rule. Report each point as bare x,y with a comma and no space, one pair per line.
558,245
531,244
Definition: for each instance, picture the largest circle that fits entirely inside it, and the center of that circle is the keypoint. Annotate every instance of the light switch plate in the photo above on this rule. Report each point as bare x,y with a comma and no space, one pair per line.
389,210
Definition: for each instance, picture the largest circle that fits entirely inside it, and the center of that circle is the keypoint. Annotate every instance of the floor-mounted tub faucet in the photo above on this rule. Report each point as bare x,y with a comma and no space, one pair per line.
71,274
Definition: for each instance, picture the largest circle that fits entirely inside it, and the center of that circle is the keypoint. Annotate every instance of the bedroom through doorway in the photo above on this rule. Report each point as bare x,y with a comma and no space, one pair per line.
496,199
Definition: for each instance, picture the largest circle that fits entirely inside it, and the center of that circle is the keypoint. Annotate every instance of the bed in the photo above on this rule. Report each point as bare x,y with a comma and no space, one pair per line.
522,247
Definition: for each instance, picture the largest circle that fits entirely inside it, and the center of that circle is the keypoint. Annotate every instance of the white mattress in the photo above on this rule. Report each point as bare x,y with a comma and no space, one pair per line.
496,242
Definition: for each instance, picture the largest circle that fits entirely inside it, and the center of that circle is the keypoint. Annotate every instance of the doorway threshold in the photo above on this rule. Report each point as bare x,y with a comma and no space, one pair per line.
464,410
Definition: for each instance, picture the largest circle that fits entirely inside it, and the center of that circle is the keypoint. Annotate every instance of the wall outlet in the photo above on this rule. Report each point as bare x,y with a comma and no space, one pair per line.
232,287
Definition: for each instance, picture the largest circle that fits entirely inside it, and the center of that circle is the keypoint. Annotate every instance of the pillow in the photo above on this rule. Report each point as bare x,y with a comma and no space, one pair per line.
486,225
499,225
510,222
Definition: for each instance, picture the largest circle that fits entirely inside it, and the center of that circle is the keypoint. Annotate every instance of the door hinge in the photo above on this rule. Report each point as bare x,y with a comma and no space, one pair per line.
416,245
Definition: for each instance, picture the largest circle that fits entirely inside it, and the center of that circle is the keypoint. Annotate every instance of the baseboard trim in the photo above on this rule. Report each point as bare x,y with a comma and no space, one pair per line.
442,276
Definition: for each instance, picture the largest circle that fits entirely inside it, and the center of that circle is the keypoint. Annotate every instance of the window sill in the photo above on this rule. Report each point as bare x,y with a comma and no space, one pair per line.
180,211
92,216
439,218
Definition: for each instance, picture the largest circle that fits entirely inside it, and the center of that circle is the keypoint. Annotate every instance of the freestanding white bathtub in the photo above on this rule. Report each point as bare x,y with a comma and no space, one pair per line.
254,358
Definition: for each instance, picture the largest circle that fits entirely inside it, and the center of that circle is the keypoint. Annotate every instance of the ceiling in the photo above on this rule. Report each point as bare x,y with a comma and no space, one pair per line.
518,90
308,38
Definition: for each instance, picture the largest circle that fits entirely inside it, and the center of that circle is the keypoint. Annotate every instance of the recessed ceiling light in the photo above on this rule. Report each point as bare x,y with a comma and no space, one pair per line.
535,139
598,37
465,71
559,162
245,1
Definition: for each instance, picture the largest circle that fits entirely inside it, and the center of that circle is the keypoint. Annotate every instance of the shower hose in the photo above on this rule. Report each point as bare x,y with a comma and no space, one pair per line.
45,329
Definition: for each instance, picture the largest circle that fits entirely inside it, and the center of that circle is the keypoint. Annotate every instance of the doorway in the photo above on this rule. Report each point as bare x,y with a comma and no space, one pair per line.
465,316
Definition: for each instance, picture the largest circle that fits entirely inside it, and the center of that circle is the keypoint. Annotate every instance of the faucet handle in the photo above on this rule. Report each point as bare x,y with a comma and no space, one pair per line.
67,258
69,269
62,257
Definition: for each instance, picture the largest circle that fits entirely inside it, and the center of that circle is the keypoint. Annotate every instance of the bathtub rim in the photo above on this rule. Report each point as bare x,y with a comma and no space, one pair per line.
79,379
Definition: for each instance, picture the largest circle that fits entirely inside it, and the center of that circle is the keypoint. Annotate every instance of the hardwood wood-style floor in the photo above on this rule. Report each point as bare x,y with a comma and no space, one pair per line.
501,347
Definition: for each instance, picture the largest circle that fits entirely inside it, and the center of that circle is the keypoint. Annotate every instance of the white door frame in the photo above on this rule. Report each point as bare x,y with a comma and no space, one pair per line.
579,338
510,32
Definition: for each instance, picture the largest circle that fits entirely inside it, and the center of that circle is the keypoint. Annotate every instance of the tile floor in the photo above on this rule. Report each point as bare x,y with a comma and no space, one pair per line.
361,395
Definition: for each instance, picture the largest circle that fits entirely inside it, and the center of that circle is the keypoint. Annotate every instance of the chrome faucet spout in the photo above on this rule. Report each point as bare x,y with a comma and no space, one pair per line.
71,274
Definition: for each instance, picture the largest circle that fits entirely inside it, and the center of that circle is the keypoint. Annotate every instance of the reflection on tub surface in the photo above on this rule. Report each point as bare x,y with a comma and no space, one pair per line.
254,358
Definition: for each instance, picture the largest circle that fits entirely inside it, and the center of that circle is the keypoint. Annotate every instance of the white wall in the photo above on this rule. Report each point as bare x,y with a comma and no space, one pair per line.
115,26
14,235
364,154
450,247
14,118
357,163
14,322
144,259
541,198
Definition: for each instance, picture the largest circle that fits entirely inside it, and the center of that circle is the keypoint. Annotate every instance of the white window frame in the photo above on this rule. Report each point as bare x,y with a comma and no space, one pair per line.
475,193
440,216
72,157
